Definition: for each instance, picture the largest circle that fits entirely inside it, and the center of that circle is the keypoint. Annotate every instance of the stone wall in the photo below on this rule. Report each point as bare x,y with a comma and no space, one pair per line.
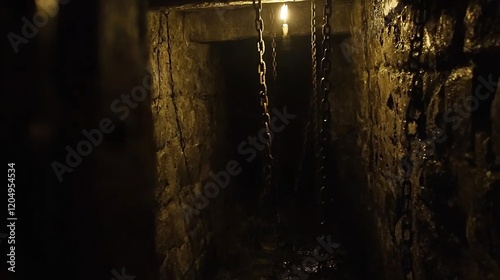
456,177
187,113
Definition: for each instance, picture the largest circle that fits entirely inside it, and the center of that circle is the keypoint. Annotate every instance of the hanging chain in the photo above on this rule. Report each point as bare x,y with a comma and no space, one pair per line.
313,51
273,44
325,111
275,90
415,104
313,122
264,101
315,96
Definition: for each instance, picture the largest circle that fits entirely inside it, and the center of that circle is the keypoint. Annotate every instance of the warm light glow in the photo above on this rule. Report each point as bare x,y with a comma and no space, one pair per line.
284,12
285,30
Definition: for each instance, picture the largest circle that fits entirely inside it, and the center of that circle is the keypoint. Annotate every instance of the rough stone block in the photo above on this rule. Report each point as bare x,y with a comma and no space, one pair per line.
482,26
457,90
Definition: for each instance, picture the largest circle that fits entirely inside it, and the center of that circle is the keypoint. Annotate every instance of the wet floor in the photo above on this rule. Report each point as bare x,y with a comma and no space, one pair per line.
263,249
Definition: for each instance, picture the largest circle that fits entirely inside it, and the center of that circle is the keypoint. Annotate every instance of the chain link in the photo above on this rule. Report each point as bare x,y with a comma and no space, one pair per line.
313,122
273,44
415,104
315,97
264,101
325,112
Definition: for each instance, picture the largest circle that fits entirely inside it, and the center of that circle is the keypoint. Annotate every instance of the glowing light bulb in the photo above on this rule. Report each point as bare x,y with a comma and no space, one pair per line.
284,16
284,12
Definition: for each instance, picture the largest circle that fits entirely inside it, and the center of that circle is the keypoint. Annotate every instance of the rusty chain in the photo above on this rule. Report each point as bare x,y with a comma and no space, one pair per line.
264,100
312,122
315,96
325,113
275,90
415,105
273,44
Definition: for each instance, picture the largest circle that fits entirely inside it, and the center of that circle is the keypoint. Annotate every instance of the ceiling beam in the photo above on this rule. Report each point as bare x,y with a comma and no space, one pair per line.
236,23
197,4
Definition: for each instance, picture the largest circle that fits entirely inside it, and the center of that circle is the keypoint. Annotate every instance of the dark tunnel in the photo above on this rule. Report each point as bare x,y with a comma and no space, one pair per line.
251,140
